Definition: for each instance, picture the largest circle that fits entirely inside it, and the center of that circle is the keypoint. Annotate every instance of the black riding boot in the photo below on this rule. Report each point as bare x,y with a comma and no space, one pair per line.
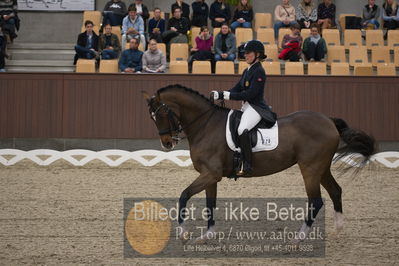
246,154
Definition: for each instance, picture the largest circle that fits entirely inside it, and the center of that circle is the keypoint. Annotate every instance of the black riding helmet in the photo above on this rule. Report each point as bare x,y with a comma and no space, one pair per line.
257,47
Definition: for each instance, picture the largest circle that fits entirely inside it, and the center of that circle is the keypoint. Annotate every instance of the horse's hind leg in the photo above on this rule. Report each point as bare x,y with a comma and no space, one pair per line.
335,192
311,176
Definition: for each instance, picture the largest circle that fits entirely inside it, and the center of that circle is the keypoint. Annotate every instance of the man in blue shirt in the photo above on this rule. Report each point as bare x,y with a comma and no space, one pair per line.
130,61
132,27
156,26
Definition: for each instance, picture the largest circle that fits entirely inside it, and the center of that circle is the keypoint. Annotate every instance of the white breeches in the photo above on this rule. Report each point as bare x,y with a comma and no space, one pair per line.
250,118
142,41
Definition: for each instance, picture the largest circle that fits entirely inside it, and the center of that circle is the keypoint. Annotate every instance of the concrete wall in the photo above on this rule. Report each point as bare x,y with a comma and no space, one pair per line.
62,27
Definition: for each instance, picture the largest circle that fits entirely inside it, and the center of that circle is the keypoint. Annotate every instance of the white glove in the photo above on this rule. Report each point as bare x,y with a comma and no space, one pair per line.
215,95
226,95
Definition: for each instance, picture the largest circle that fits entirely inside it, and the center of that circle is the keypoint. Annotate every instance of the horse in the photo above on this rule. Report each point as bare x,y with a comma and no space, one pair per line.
306,138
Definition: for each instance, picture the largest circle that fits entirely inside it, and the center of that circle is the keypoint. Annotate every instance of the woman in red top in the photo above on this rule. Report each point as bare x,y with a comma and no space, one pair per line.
203,49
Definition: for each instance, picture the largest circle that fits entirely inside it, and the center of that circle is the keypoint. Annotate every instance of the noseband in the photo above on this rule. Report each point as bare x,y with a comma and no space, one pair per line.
174,127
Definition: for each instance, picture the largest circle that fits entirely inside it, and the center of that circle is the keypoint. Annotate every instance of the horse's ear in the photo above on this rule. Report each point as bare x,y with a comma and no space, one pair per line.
146,96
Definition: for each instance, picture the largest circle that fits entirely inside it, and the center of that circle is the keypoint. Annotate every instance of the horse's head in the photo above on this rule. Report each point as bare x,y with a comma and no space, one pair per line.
165,120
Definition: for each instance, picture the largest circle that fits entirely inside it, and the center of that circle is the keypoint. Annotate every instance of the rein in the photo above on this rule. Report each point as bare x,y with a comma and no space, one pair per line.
177,127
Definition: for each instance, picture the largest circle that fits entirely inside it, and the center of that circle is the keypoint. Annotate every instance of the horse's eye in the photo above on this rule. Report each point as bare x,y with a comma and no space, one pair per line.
153,116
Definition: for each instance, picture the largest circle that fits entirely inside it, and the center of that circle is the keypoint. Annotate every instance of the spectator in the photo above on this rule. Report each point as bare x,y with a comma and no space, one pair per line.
3,45
292,44
156,26
87,44
114,12
390,15
154,61
219,13
225,44
371,14
284,15
109,45
131,59
326,14
203,51
200,13
142,10
243,15
132,27
9,19
177,28
314,47
184,7
306,14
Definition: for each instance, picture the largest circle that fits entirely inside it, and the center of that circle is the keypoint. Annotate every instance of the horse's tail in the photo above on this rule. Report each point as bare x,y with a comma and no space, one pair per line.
356,141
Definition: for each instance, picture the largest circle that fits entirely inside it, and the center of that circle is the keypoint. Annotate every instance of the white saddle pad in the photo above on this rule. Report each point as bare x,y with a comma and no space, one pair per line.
267,138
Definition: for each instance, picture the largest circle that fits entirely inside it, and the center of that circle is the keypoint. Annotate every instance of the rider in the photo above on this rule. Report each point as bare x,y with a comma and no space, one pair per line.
250,90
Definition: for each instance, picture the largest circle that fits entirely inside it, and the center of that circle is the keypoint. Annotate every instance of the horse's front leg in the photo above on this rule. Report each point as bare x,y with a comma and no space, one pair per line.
202,182
211,193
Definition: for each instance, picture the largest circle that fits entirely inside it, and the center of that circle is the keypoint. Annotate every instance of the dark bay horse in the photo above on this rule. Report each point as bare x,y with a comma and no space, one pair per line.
306,138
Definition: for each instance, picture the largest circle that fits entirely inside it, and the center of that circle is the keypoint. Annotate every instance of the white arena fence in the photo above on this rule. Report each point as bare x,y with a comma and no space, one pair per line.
113,158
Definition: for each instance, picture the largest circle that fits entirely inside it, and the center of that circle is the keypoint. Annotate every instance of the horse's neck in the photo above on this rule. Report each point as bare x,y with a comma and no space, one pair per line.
194,111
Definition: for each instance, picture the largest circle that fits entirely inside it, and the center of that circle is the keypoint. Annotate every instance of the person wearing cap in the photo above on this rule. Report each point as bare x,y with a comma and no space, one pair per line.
250,90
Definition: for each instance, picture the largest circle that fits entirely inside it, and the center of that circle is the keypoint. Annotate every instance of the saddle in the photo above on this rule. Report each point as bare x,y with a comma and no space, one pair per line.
235,120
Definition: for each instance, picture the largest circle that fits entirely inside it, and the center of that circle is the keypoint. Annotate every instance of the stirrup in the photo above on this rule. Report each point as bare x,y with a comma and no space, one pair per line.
242,172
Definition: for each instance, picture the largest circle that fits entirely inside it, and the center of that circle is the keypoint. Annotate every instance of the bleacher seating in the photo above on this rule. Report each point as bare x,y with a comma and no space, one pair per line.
272,68
336,54
118,32
242,66
386,69
357,55
108,66
272,52
380,54
340,69
374,38
317,69
178,52
86,66
351,49
263,20
352,38
363,70
332,37
162,47
294,68
224,67
243,35
94,16
178,67
201,67
305,33
266,36
393,39
194,33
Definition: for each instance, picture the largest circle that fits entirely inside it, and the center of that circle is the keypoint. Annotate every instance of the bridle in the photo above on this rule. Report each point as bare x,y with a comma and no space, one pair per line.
175,128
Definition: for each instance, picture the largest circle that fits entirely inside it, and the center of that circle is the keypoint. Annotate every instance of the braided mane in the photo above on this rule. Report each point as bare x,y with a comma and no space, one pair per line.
191,91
